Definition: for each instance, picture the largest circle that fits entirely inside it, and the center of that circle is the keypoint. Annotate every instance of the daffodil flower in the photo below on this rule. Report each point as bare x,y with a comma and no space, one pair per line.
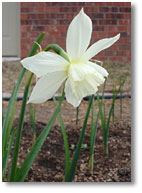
82,76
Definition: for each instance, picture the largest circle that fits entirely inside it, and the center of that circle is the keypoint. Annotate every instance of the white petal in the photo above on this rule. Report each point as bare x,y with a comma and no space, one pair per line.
85,87
78,36
46,87
99,46
45,62
77,72
70,96
98,68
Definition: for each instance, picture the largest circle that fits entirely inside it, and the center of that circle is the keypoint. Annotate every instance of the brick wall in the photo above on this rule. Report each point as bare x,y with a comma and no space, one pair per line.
108,18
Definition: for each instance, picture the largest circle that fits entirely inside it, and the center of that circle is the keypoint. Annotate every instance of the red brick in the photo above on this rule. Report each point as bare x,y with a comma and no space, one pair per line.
34,34
125,9
24,16
26,22
124,40
95,22
89,4
22,4
31,16
125,34
114,9
60,28
109,52
128,4
52,9
38,28
124,47
64,22
118,3
127,53
39,9
96,9
129,28
108,22
99,3
127,16
123,22
70,4
108,18
25,28
100,58
104,9
65,9
122,28
69,15
97,15
61,15
48,28
24,34
114,16
88,9
120,53
111,28
27,9
98,28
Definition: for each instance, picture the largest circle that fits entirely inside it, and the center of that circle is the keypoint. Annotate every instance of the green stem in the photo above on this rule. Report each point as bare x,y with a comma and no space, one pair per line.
32,111
19,129
57,49
121,92
106,148
77,115
77,151
66,145
93,138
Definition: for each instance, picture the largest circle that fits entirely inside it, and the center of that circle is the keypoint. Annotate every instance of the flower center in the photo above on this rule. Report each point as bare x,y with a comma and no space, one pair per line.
74,62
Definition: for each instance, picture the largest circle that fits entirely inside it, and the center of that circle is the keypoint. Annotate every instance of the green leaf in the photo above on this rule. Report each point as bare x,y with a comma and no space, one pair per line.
2,113
23,171
110,113
9,112
19,129
35,46
5,162
12,103
21,118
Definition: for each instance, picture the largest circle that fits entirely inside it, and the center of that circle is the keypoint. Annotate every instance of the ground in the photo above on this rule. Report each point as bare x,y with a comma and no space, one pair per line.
49,164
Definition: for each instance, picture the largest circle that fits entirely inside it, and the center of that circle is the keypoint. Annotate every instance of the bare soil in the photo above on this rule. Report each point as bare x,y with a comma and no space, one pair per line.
50,162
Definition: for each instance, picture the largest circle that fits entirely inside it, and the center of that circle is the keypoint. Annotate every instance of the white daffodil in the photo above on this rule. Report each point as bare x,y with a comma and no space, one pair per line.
83,76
